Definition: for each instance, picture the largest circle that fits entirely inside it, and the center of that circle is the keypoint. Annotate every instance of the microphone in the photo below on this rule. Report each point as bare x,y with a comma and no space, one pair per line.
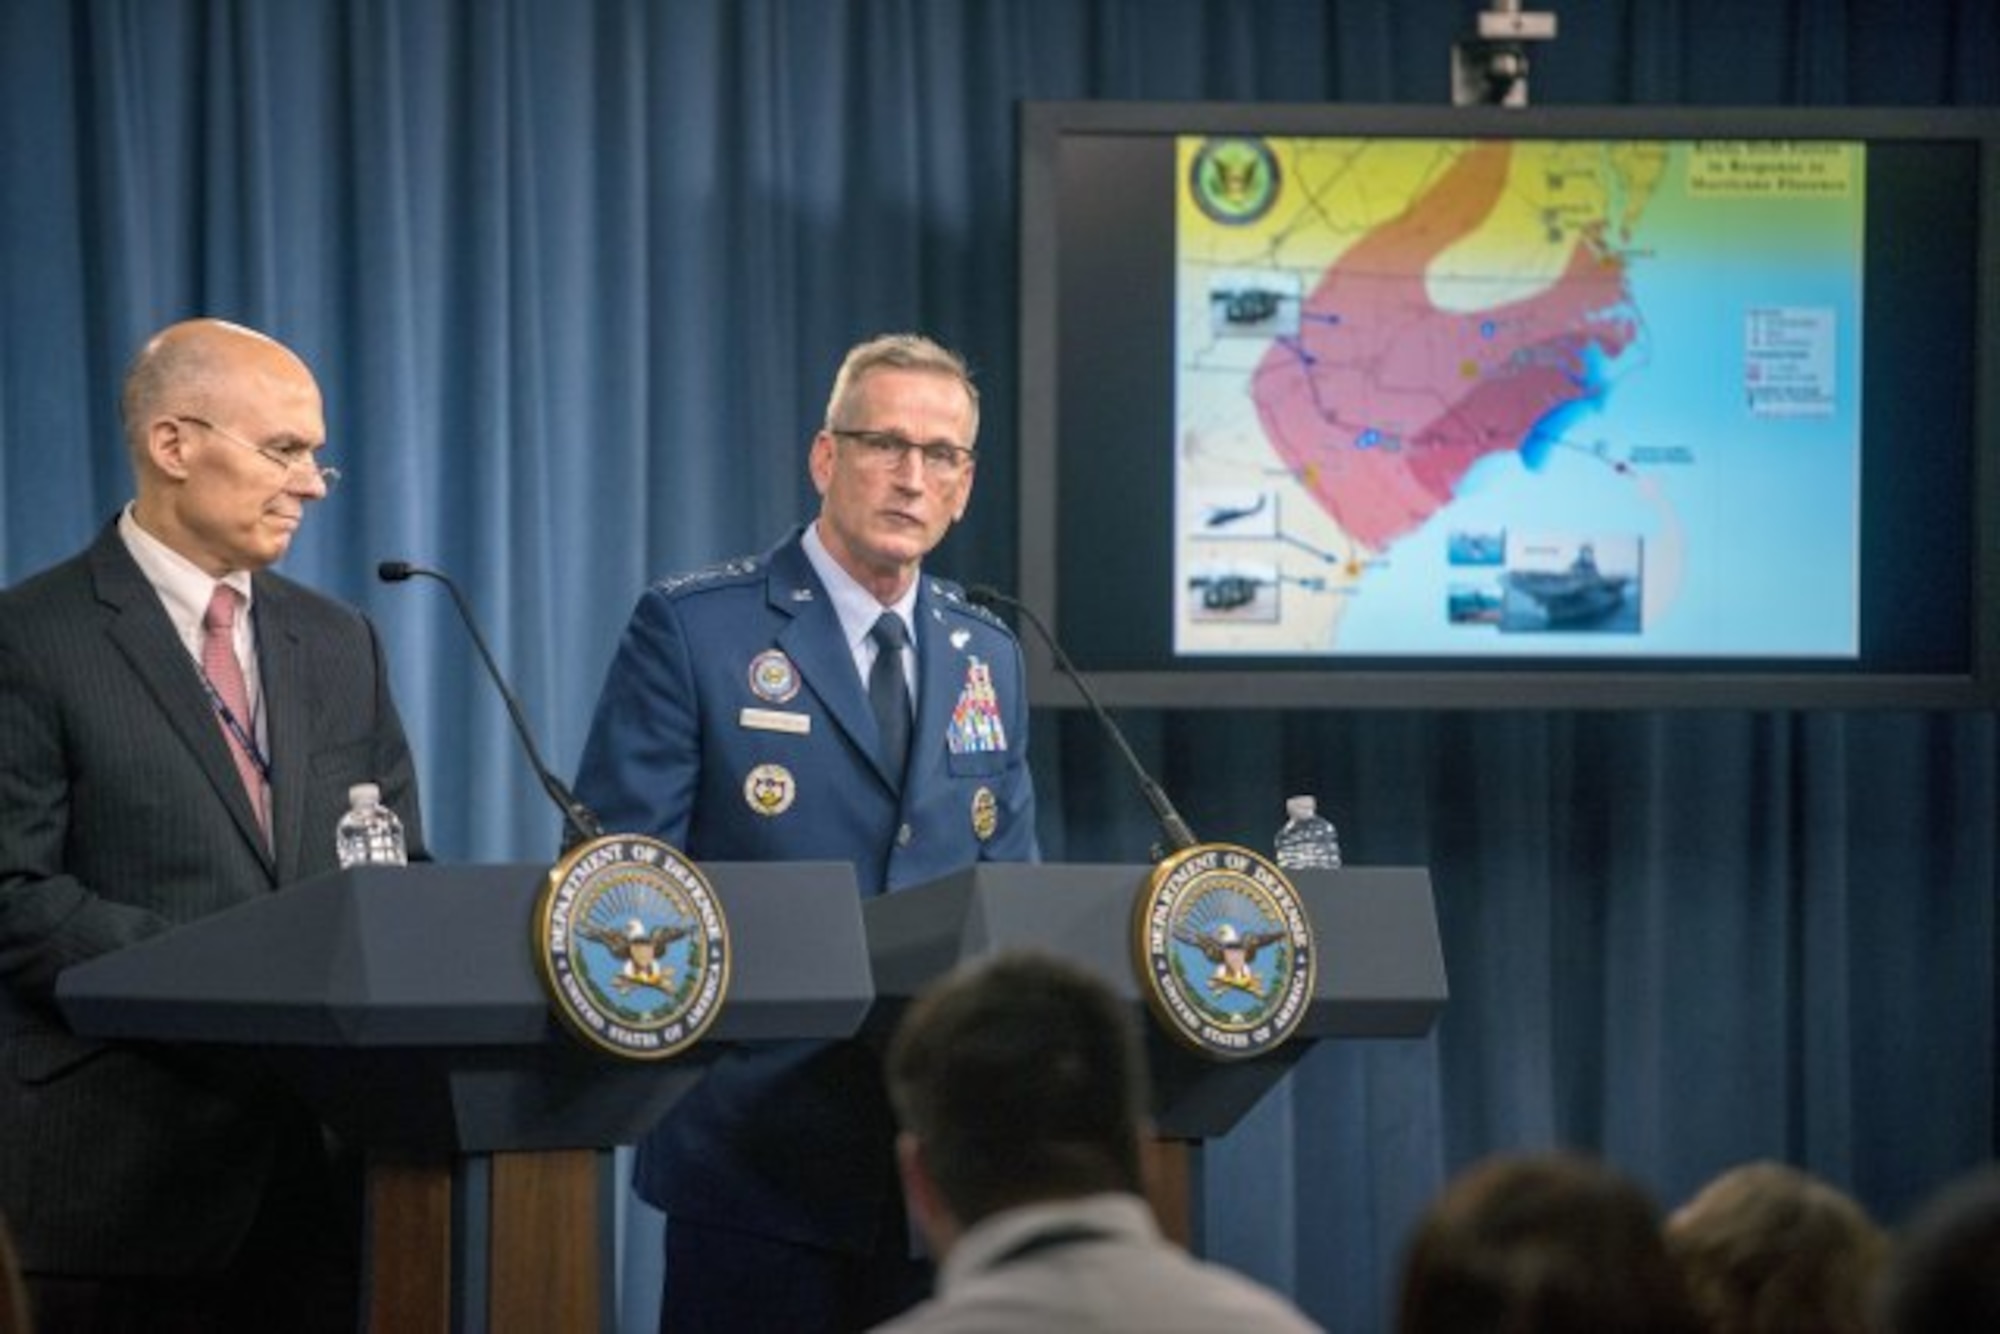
579,822
1179,837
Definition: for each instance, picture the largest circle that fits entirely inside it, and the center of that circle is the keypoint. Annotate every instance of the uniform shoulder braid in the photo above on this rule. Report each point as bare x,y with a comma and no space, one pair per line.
720,575
952,597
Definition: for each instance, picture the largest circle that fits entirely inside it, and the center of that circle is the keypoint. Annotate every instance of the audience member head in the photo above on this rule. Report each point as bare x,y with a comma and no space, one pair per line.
1016,1079
1552,1243
1769,1249
1944,1269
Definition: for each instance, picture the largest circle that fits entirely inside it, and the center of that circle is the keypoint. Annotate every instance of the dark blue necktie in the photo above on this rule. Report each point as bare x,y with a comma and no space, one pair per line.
889,692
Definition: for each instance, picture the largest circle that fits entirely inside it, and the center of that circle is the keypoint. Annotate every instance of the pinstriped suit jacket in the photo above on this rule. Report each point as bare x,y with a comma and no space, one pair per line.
121,816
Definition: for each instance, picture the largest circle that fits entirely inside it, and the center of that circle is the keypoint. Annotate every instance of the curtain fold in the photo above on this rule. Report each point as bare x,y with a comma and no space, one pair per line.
575,275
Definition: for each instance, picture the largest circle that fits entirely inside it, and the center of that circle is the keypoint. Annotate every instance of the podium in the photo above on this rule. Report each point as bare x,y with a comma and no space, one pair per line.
1380,975
403,1003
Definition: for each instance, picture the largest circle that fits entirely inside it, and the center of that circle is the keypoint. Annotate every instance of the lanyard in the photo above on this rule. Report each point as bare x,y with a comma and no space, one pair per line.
236,728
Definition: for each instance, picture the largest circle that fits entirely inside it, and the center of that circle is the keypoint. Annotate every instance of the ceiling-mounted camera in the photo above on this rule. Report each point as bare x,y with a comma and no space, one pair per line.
1491,67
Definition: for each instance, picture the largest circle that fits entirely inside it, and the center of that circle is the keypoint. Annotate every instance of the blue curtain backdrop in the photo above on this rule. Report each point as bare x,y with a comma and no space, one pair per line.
575,274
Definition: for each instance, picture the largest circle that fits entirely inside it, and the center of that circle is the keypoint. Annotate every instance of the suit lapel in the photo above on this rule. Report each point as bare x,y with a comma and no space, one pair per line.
281,662
147,639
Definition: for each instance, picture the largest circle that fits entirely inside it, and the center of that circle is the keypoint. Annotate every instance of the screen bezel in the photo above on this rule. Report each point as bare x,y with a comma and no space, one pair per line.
1490,683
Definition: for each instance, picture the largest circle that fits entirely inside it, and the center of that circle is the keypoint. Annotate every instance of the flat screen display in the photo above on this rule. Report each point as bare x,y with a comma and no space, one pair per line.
1483,407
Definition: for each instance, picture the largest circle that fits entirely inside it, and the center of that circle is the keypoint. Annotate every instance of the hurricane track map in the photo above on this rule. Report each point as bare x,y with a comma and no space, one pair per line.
1543,397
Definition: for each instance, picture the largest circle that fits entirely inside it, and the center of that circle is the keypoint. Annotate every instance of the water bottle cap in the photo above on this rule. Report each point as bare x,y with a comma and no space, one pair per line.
364,794
1301,808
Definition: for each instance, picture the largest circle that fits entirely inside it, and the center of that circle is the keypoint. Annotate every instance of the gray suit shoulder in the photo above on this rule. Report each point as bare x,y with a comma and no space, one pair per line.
309,605
58,581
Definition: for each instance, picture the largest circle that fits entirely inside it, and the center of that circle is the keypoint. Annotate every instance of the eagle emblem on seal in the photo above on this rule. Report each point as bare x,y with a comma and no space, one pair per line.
641,952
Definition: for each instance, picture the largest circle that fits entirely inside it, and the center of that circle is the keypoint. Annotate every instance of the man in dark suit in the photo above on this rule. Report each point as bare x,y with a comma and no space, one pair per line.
762,710
178,730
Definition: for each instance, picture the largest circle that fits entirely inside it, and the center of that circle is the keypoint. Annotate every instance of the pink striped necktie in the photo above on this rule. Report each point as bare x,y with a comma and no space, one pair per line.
225,674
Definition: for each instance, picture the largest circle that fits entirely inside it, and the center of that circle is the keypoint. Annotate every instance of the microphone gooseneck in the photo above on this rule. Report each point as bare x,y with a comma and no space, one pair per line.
579,822
1179,838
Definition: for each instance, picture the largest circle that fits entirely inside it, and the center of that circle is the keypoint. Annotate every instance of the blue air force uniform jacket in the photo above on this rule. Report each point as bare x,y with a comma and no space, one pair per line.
734,726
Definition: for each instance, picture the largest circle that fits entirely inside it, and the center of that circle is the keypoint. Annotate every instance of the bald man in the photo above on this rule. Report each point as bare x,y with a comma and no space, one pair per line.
178,730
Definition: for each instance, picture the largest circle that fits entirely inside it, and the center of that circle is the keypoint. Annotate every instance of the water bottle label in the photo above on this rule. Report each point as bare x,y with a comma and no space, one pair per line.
370,835
1308,845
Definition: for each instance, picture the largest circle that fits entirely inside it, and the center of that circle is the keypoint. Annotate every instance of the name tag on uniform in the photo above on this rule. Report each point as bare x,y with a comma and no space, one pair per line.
775,720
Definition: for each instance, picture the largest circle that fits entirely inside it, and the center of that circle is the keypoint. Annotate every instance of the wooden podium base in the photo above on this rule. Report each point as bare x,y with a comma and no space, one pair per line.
406,1281
1170,1168
513,1243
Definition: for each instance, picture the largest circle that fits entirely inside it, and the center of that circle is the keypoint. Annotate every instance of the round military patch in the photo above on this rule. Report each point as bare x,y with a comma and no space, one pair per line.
772,676
985,814
770,789
632,947
1224,950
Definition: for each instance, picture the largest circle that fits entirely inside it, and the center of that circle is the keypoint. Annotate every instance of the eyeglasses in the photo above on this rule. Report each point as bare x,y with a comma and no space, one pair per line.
296,458
886,451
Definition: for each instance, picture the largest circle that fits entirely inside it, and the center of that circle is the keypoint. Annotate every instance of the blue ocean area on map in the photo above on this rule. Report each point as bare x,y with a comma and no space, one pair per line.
1592,385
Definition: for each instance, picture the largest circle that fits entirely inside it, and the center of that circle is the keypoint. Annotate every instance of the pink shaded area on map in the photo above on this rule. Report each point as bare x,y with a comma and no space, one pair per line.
1373,354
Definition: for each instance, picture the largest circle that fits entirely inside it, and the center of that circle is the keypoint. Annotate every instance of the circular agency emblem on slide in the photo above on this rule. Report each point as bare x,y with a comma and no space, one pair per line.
1225,951
1234,181
632,946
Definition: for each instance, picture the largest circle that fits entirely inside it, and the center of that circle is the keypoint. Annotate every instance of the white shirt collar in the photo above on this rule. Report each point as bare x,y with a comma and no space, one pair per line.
855,605
1112,1215
184,588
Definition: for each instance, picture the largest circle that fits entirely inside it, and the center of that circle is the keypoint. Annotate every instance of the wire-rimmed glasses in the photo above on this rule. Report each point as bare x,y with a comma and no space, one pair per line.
296,459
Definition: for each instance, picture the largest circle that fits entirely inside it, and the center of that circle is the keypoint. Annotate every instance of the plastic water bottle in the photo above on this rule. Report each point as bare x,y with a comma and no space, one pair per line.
1308,842
369,834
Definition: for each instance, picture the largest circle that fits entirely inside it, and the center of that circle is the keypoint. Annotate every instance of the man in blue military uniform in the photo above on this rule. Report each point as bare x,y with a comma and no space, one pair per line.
823,701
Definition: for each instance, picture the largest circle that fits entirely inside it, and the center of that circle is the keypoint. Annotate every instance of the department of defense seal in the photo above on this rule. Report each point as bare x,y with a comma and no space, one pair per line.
632,947
1224,950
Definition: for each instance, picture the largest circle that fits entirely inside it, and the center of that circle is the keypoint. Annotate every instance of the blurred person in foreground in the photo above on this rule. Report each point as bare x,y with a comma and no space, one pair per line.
1943,1275
1768,1249
179,726
829,700
1548,1243
1020,1085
